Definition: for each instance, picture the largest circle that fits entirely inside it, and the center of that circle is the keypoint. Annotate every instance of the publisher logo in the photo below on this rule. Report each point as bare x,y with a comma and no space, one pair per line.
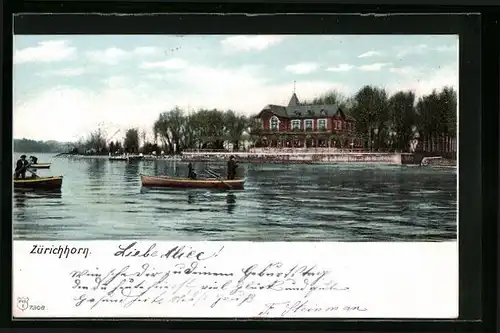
22,303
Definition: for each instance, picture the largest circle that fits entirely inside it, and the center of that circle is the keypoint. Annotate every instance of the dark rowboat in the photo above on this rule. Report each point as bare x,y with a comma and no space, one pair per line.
40,166
53,182
118,158
211,183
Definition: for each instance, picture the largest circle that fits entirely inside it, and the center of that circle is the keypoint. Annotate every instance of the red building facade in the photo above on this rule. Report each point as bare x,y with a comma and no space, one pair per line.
299,125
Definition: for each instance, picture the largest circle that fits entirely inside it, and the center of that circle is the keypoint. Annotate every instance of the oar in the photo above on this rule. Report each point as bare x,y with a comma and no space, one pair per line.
213,174
31,170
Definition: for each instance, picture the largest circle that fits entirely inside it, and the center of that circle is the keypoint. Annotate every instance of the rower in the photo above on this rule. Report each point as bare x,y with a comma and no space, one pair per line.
191,173
231,168
34,159
21,166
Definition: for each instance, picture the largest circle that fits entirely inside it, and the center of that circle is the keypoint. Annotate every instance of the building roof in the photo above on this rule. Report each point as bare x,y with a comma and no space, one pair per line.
298,111
294,101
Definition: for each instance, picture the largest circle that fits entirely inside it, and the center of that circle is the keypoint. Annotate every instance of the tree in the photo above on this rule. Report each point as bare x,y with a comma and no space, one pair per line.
169,128
111,147
330,97
118,146
235,125
448,107
96,141
254,129
437,120
402,119
371,113
131,142
428,124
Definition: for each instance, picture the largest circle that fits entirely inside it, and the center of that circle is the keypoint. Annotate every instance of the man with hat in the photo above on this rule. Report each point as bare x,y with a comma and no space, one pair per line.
231,168
21,166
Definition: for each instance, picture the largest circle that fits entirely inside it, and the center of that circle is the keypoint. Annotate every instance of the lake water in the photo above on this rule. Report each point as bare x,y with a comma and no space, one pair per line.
104,200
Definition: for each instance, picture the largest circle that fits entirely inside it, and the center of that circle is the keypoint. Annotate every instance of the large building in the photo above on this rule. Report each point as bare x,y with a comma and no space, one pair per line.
301,125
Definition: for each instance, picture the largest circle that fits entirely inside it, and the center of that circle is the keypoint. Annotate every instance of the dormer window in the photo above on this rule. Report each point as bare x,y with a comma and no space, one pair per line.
274,123
310,112
297,112
323,112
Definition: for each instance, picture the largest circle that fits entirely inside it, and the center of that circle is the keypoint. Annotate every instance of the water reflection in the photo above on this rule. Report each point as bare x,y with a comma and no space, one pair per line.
21,195
96,168
20,198
131,171
191,198
25,199
231,202
161,168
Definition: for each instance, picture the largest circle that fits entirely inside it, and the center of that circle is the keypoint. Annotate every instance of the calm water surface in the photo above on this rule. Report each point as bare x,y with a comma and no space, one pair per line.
104,200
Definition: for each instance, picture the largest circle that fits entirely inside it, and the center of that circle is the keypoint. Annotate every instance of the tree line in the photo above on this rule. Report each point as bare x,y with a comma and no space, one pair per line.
32,146
382,122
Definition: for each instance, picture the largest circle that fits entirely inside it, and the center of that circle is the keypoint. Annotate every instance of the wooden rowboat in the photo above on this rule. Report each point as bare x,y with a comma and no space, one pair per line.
53,182
212,183
40,166
118,158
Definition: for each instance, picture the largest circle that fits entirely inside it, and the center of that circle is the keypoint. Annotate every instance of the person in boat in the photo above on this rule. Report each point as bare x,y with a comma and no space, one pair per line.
21,166
231,168
191,173
34,159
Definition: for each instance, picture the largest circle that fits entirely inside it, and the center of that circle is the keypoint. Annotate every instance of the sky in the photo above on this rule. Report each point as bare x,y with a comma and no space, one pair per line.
66,86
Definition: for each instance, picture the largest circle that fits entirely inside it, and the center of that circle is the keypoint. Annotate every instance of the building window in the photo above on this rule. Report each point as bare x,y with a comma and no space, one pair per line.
275,123
339,125
310,112
295,124
322,124
308,124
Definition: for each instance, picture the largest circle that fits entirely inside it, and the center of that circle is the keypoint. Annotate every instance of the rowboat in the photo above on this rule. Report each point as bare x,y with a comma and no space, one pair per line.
118,158
52,182
40,166
212,183
126,158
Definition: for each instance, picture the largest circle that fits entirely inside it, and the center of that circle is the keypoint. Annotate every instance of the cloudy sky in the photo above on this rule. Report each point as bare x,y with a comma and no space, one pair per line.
66,86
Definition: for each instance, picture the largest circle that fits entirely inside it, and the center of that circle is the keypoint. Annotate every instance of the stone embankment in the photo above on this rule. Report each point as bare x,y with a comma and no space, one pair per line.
298,157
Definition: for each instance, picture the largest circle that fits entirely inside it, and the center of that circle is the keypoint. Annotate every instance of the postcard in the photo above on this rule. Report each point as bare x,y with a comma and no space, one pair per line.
235,176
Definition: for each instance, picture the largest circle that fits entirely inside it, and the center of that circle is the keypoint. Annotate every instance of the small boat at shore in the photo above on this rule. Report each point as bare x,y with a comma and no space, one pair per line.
208,183
126,158
40,166
52,182
118,158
